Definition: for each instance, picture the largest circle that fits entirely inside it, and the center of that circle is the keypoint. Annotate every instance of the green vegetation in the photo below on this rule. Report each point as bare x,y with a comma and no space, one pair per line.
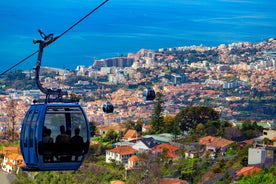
267,176
198,121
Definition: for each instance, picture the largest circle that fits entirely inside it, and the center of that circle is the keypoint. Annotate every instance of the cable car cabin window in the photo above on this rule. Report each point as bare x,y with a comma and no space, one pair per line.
64,134
32,135
27,130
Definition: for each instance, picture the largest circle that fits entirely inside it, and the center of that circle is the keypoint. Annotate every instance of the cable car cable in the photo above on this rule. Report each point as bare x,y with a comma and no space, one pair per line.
80,20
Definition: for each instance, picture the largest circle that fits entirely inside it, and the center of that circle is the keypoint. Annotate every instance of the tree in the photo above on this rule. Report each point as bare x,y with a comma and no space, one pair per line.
200,129
111,136
157,120
251,130
189,117
232,132
11,115
256,178
139,125
92,125
134,125
169,123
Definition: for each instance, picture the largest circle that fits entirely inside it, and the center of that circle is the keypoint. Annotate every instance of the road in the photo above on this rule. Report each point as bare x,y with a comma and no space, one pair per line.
6,178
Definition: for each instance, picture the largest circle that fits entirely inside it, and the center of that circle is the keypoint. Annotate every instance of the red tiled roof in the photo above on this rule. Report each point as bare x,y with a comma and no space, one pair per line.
124,150
248,171
134,158
214,141
147,127
130,134
171,149
11,149
249,141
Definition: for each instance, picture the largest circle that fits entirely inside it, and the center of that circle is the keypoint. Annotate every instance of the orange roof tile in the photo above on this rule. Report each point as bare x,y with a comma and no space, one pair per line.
11,149
214,141
15,156
248,171
171,149
147,127
134,158
130,134
123,150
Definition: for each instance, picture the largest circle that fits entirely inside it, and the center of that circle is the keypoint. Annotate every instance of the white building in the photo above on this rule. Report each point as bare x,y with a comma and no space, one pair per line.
11,161
256,156
120,154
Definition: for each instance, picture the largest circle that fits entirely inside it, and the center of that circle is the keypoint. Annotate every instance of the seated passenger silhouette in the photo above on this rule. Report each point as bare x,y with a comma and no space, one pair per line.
47,139
62,141
77,143
47,145
62,137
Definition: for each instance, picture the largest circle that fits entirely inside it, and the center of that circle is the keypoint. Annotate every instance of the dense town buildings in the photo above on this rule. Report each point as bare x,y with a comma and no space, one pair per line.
238,80
226,77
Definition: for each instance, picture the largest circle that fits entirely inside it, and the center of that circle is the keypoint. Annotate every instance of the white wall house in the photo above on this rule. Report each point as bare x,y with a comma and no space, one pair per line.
145,144
120,154
11,161
256,156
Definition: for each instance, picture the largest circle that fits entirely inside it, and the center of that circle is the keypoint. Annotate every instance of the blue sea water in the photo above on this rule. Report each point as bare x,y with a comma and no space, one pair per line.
122,26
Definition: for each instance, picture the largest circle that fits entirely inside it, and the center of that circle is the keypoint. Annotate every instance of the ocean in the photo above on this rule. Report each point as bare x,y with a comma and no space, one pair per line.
122,26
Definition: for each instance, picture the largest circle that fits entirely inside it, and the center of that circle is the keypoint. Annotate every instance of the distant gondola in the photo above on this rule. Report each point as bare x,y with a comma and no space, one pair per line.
148,94
108,107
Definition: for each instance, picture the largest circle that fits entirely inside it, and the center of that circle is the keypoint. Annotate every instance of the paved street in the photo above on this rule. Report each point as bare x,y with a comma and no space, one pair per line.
6,178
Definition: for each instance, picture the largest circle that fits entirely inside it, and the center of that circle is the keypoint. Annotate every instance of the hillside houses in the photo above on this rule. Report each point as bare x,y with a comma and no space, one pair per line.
215,144
12,159
120,154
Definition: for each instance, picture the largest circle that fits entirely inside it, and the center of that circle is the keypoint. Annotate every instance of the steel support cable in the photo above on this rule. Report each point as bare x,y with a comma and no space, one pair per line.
80,20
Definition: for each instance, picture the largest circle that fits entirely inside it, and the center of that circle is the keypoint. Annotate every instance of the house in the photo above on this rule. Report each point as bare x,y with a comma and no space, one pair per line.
274,141
161,138
256,156
10,149
245,171
215,143
172,151
244,143
131,135
270,134
270,157
145,144
120,154
11,161
135,162
193,150
146,128
103,129
262,156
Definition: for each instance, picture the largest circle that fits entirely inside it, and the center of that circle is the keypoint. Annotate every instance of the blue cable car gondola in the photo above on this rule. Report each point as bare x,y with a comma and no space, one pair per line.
108,107
41,127
55,132
148,94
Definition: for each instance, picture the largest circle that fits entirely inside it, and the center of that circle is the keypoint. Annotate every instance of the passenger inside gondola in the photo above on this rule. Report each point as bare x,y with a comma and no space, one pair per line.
77,144
48,141
62,144
63,137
